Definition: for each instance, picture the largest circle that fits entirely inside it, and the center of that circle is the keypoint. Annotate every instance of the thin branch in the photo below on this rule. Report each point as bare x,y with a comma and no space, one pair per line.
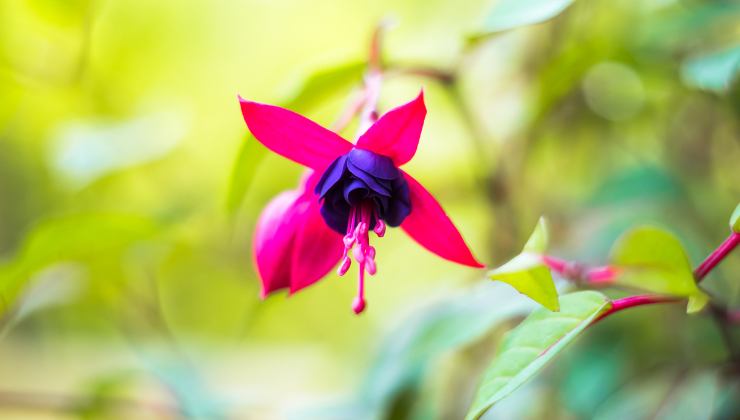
599,276
717,256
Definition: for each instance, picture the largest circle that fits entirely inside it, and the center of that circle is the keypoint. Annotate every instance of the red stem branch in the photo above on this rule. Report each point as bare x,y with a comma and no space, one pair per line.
717,256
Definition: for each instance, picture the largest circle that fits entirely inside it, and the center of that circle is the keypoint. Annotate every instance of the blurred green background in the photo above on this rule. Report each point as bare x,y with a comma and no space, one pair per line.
128,198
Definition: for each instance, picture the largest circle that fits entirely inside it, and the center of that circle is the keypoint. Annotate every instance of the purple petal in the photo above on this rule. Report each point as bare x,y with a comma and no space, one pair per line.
355,191
374,164
399,205
331,176
380,186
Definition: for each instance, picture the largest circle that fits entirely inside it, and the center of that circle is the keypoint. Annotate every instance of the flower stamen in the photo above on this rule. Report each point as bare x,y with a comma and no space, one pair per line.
357,240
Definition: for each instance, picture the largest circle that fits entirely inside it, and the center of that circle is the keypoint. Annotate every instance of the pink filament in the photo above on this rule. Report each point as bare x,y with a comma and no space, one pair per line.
357,240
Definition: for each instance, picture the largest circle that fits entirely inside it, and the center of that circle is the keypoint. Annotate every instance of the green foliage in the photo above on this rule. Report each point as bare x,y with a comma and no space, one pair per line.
509,14
411,349
55,285
527,348
586,117
82,237
715,71
539,239
673,395
735,220
528,274
307,94
247,161
652,259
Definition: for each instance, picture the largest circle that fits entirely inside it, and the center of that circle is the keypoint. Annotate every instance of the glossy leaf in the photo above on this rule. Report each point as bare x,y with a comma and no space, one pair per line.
527,348
735,220
715,71
528,274
308,93
509,14
654,260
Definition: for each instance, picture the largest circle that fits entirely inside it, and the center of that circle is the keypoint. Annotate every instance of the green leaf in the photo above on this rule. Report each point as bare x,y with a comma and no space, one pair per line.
697,302
538,241
528,274
431,331
509,14
324,83
715,71
654,260
56,285
666,395
735,220
88,237
250,156
527,348
309,92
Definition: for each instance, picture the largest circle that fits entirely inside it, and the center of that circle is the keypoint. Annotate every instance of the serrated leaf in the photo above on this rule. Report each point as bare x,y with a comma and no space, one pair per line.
509,14
735,220
528,274
527,348
317,86
654,260
715,71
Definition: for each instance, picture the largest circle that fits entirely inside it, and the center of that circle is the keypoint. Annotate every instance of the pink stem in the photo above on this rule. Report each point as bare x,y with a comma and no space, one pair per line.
632,301
595,276
717,256
353,108
369,113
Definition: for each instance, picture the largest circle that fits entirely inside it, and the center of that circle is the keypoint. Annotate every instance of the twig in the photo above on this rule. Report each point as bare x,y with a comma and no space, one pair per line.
717,256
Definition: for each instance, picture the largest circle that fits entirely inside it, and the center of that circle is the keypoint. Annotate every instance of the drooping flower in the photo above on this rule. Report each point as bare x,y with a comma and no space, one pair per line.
350,190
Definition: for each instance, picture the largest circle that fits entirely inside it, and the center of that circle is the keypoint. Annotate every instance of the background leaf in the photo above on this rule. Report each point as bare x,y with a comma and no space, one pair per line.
72,238
715,71
533,343
509,14
427,333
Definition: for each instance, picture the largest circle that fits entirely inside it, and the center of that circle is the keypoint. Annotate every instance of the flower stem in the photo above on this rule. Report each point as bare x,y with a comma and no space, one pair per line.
717,256
632,301
579,273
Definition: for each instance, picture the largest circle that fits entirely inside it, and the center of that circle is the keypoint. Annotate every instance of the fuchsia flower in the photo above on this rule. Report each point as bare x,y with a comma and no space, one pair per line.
352,189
